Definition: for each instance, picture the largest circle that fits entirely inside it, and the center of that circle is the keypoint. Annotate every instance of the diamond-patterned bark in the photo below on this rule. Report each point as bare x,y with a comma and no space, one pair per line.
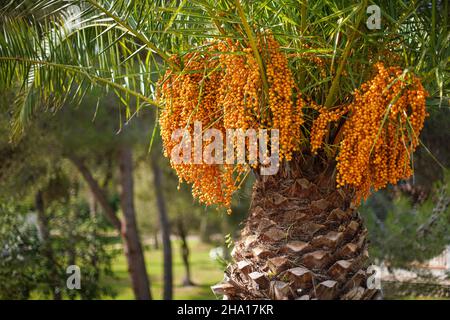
302,240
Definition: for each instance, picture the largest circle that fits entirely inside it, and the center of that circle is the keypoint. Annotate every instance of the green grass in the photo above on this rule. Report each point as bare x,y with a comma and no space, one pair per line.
205,273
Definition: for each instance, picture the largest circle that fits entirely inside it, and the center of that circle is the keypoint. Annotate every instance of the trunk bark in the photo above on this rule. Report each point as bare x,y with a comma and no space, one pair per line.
185,252
165,229
303,240
130,234
47,246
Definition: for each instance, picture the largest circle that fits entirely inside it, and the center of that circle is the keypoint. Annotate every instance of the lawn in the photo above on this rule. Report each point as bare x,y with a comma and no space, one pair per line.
205,273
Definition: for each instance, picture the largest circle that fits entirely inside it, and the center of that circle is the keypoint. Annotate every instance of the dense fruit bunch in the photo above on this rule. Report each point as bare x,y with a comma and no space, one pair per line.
221,87
286,116
191,96
381,132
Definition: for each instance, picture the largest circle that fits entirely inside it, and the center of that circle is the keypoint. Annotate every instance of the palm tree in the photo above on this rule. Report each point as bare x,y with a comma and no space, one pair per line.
303,237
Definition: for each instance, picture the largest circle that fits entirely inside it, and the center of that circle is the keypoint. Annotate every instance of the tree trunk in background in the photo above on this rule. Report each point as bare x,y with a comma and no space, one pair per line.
184,253
47,246
97,191
165,229
141,289
93,215
156,240
133,247
205,234
302,240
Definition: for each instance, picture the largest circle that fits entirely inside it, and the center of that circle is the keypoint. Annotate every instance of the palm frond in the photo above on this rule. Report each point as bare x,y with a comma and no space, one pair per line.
54,50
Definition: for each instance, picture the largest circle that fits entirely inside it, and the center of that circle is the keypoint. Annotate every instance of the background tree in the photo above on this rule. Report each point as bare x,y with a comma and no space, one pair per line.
306,70
35,256
98,139
73,135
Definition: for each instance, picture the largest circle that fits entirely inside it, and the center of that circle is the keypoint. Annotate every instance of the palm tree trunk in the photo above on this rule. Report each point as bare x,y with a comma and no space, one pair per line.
130,233
303,239
47,246
165,229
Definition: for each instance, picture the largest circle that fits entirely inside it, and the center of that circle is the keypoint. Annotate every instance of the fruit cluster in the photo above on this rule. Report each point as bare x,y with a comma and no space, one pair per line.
286,116
381,132
193,96
221,87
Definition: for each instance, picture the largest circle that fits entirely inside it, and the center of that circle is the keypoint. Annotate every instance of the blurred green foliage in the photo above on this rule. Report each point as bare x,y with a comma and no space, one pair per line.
76,239
403,232
20,264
